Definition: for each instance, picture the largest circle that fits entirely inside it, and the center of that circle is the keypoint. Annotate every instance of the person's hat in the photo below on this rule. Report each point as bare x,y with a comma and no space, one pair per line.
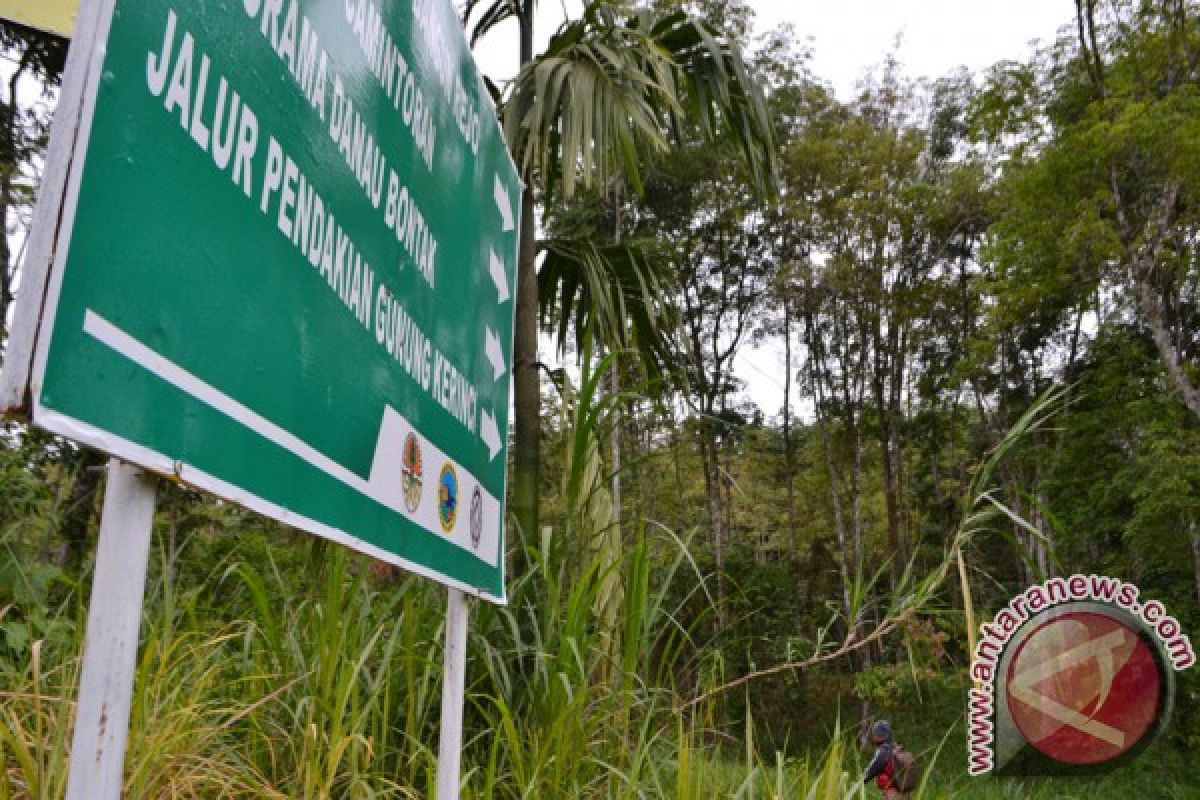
881,731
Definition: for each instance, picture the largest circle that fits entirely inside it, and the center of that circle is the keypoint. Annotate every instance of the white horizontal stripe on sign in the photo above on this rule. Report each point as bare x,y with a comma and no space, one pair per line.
384,484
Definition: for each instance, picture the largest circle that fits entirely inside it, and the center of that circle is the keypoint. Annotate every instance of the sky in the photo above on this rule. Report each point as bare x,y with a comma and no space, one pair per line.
850,36
930,38
848,39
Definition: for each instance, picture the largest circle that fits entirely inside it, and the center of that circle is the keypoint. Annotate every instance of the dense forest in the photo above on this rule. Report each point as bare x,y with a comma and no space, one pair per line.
984,291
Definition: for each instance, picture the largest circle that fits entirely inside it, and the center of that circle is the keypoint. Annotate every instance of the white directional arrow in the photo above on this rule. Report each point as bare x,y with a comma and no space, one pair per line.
495,352
498,277
489,433
504,203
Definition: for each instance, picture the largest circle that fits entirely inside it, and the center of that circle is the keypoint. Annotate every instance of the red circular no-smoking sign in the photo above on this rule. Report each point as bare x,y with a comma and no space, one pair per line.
1084,688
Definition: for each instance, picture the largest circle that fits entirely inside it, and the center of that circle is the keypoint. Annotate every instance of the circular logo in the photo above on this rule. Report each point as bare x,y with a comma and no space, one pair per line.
476,517
411,473
1084,688
447,498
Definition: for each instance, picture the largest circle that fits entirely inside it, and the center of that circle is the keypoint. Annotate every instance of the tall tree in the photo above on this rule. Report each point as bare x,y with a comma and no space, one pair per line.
722,255
1104,181
612,86
526,397
38,59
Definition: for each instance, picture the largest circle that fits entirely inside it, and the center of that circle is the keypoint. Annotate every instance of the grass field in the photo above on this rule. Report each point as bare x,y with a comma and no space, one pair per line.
274,672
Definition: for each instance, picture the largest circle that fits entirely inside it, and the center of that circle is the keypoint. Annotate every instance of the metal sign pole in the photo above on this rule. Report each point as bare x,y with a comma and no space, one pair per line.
110,645
453,688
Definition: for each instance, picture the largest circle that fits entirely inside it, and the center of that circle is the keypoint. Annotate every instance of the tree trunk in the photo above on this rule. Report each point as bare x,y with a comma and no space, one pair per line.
716,518
1045,565
856,526
1152,312
887,375
1027,557
8,168
890,496
1194,534
1141,260
726,476
526,389
815,361
614,388
677,440
839,521
1141,264
793,545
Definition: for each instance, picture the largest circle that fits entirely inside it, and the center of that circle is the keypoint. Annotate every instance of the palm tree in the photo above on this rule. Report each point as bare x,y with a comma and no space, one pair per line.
613,86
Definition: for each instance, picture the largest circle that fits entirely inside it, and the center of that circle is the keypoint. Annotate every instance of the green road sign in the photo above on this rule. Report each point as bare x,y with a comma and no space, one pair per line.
284,269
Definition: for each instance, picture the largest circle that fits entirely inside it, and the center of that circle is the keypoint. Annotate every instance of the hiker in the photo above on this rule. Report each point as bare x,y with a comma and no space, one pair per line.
892,767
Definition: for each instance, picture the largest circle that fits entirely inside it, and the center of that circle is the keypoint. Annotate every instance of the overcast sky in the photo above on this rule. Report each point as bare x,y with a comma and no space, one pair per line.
851,36
848,38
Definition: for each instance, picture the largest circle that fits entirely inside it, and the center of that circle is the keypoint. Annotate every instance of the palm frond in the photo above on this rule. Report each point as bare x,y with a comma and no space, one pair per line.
489,18
720,94
617,290
618,85
591,103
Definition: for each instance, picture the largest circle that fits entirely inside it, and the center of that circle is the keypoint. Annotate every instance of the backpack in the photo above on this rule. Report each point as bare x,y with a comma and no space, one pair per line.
906,774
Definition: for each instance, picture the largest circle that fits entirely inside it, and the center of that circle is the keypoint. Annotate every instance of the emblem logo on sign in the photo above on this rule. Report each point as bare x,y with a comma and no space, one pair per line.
476,517
1084,688
448,498
411,473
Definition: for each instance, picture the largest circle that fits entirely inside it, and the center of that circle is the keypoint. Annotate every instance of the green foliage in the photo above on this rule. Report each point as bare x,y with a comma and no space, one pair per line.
617,84
615,291
990,298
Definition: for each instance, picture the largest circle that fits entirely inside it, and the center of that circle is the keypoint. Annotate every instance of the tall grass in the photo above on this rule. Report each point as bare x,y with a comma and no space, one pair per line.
332,690
293,671
311,680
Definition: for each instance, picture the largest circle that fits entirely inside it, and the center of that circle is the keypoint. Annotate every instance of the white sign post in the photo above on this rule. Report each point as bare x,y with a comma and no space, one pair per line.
453,691
111,643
